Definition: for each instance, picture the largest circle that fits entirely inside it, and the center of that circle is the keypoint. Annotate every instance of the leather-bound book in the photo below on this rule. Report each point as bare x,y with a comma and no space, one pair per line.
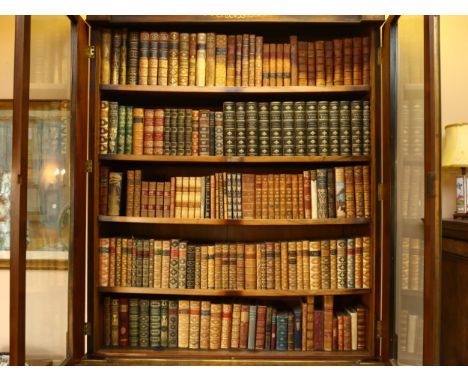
356,128
143,323
366,262
148,132
132,262
352,313
155,324
348,61
287,127
203,267
311,63
299,266
312,128
331,193
221,58
132,57
167,200
325,263
304,326
184,47
258,196
340,192
323,128
210,59
133,314
338,67
328,323
113,127
229,196
313,194
365,61
158,254
297,333
320,63
345,128
266,65
334,129
145,264
155,199
174,264
104,128
300,135
211,267
121,133
163,58
290,331
276,196
153,58
158,132
292,265
358,262
265,201
342,267
123,58
164,323
241,131
270,265
201,59
258,60
333,264
252,128
263,128
138,128
350,263
349,192
310,324
229,128
180,132
284,265
273,328
218,254
173,323
173,64
231,61
366,135
315,272
322,194
271,196
106,43
261,266
128,148
226,324
114,322
286,64
244,326
103,189
366,190
294,55
251,81
125,256
195,132
104,244
143,52
205,318
115,56
305,265
204,133
279,64
260,327
183,324
335,333
252,329
245,60
190,277
361,327
248,196
118,261
194,324
318,330
250,266
138,261
167,131
329,70
273,64
268,325
302,63
357,60
114,193
340,324
232,250
294,193
225,266
235,326
276,133
215,326
123,321
359,191
282,331
238,71
240,265
192,73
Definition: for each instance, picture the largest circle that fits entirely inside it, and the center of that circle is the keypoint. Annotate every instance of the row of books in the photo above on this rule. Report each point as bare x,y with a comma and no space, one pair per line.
412,264
209,325
241,129
340,192
209,59
343,263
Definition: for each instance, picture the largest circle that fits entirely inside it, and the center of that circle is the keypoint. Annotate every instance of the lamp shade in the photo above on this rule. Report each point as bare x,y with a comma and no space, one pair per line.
455,150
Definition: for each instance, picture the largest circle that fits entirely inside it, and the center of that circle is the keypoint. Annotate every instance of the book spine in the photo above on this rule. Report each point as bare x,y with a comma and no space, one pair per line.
123,322
133,314
164,323
260,327
338,67
184,49
266,65
125,256
192,59
329,70
282,331
132,57
123,58
225,266
310,324
173,62
318,330
292,265
183,324
201,59
215,326
361,327
235,326
320,63
365,61
252,327
299,266
340,192
113,127
104,128
366,134
143,323
349,192
357,60
312,128
158,137
238,71
250,266
328,323
226,324
251,80
115,57
334,129
232,250
252,128
106,42
273,64
284,265
155,324
231,61
148,132
350,263
348,61
315,271
114,193
325,263
138,129
143,53
313,194
294,52
298,328
114,324
240,263
210,59
366,262
258,60
322,194
311,63
153,58
323,128
244,327
221,58
300,138
263,129
180,132
279,65
305,265
104,262
333,264
241,137
118,262
103,189
205,315
356,128
302,63
245,60
286,64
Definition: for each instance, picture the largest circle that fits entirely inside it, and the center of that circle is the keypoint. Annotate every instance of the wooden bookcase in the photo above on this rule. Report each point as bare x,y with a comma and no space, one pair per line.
276,28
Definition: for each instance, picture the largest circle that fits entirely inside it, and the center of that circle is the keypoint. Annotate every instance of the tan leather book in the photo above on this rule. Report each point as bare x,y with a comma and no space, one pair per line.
338,67
238,72
248,196
201,59
226,325
235,328
295,194
358,262
270,265
265,196
137,194
221,59
211,266
115,57
279,65
215,326
276,197
258,196
163,55
104,250
266,65
277,254
329,70
320,63
300,196
348,61
192,77
365,61
138,119
366,190
158,139
205,320
302,63
184,49
270,197
311,63
357,60
159,199
305,265
299,265
218,256
252,60
367,262
349,192
210,59
333,264
289,196
325,263
284,266
282,196
231,61
359,191
232,250
260,259
250,266
258,60
245,60
310,323
315,265
328,323
294,52
260,327
292,265
194,324
152,190
273,64
153,58
240,264
173,64
130,192
183,324
165,263
158,255
244,327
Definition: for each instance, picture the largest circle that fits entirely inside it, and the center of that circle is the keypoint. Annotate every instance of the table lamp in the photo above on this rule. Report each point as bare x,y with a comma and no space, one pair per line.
455,154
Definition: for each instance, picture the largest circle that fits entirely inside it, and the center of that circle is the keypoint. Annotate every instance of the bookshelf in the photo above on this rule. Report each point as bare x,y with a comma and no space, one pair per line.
211,230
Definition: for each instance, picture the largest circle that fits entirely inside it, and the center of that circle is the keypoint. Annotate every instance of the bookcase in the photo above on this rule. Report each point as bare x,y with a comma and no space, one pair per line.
258,233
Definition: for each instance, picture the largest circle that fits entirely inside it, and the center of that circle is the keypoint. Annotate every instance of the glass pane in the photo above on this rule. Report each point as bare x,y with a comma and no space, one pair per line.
410,189
7,44
48,189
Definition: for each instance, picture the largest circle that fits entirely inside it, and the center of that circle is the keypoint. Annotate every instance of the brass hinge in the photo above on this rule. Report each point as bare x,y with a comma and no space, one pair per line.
86,329
379,329
380,192
379,55
89,165
90,51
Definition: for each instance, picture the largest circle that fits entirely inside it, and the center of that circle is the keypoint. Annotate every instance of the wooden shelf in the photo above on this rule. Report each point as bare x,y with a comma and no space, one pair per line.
225,354
306,90
233,159
242,222
232,293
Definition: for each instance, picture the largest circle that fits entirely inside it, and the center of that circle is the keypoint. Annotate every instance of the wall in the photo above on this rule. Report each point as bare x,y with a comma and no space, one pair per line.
7,49
454,92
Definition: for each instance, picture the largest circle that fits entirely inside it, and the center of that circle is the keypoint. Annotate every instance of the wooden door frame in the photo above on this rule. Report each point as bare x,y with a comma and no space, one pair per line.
19,188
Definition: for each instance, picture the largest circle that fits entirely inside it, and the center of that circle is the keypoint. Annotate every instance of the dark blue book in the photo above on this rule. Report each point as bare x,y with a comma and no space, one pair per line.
298,328
282,331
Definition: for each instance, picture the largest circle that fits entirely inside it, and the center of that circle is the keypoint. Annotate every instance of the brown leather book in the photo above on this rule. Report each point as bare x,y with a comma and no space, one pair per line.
260,328
252,60
325,263
104,250
173,65
294,69
148,132
200,78
226,324
232,254
258,60
302,63
348,61
361,327
137,194
292,265
305,265
289,197
320,63
250,266
244,326
231,61
221,58
184,52
295,193
248,196
192,73
270,265
328,323
261,265
195,132
299,266
218,263
338,67
245,60
279,64
215,326
273,64
357,61
366,190
359,191
329,70
306,194
210,59
167,200
349,192
335,333
300,196
311,63
284,266
282,196
138,123
106,42
358,262
340,319
158,137
287,64
235,327
304,326
205,318
277,264
366,262
365,61
225,266
315,271
152,200
240,265
115,58
163,55
265,194
333,264
310,323
266,65
238,72
271,196
276,196
258,196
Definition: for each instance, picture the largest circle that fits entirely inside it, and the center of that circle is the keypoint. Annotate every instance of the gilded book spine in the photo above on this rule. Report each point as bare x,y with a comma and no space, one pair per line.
184,47
173,64
115,58
356,128
345,128
294,69
366,262
113,127
312,128
201,59
311,63
143,323
273,64
325,263
155,324
104,128
215,326
205,310
266,65
350,263
322,193
104,262
320,63
300,135
132,58
238,72
122,120
164,323
240,264
329,63
123,58
252,128
123,322
263,128
357,61
338,67
210,59
323,128
251,80
115,192
138,128
221,58
231,61
163,55
143,53
153,58
348,61
340,192
245,60
258,60
334,129
226,324
192,59
302,63
106,42
365,61
194,325
235,327
114,325
358,264
333,264
260,327
315,265
286,64
287,128
349,192
172,324
366,134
